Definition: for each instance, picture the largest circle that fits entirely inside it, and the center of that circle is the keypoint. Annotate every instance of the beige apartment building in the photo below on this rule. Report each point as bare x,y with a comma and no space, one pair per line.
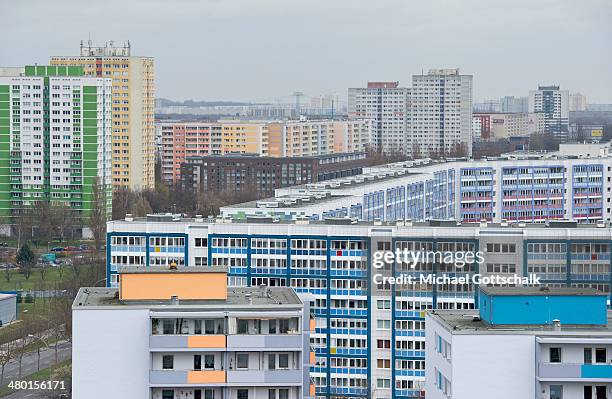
133,109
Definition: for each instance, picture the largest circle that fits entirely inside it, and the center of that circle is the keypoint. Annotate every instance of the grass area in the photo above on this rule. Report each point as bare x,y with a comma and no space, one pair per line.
18,281
42,375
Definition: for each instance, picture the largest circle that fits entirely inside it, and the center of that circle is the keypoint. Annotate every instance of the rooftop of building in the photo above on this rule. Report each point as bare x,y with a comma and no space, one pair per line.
345,221
256,156
164,269
316,193
237,297
540,291
469,322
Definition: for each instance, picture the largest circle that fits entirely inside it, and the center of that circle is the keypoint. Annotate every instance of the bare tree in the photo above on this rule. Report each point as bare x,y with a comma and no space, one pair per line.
97,218
7,353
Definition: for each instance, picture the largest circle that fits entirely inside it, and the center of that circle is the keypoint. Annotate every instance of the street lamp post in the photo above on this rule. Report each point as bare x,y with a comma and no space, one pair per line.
38,350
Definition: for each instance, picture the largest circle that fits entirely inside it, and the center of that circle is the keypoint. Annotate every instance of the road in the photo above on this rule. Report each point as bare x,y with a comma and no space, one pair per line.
29,366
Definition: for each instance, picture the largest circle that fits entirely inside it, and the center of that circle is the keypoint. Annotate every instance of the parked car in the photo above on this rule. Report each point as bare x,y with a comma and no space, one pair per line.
84,247
71,248
57,249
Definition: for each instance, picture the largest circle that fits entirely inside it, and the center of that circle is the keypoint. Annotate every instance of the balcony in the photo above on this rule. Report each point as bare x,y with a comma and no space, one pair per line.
162,342
183,377
574,371
265,377
270,342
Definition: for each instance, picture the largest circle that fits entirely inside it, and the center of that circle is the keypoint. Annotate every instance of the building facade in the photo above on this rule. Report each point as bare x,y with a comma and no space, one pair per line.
518,187
496,126
369,338
55,126
133,109
440,111
577,102
386,104
514,104
554,103
185,334
554,343
259,177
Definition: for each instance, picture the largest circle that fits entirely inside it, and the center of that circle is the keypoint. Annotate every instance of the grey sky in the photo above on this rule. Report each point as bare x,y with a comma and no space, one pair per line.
266,49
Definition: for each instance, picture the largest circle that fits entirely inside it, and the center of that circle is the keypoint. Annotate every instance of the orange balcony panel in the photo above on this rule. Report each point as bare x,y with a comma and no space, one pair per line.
312,390
312,358
206,377
312,325
206,341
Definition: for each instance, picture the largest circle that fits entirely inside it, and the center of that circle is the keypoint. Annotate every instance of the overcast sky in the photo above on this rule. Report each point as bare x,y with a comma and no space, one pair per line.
266,49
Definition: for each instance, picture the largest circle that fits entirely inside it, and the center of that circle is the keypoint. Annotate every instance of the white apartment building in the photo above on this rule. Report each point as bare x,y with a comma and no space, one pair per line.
554,103
183,334
523,342
440,113
577,102
387,105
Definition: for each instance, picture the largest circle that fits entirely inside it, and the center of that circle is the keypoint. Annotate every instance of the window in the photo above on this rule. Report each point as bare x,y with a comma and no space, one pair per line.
555,355
588,392
242,360
283,326
283,393
271,393
197,362
271,361
167,362
383,324
243,326
556,391
600,355
209,394
168,326
209,326
242,394
283,361
197,394
209,361
272,327
588,355
201,242
167,394
383,383
197,327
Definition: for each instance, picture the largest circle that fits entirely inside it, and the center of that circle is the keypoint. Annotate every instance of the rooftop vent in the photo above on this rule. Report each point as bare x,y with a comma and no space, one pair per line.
174,300
129,217
556,324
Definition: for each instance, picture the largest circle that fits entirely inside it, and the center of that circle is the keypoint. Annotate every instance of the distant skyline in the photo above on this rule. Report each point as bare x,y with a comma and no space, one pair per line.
246,50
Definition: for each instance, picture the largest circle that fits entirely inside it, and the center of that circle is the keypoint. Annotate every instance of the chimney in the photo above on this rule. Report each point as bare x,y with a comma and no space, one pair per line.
248,297
129,217
556,324
483,223
408,222
199,218
174,300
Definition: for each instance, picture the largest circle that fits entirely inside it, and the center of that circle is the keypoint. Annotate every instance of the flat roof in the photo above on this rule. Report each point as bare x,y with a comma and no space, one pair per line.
238,297
4,296
166,269
540,291
469,322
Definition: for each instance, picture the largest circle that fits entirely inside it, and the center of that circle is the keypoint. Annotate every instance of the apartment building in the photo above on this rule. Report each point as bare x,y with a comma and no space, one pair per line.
577,102
573,183
496,126
260,176
369,338
183,333
300,138
55,129
523,342
133,108
386,104
440,111
554,103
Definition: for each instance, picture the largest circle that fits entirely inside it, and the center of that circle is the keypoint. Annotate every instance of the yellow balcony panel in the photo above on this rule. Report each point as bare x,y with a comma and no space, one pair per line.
206,341
206,377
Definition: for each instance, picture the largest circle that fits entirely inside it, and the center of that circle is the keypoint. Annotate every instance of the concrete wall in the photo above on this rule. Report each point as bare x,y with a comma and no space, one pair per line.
110,354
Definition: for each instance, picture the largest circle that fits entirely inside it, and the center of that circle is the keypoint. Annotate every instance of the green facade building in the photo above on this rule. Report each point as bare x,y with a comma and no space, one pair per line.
55,140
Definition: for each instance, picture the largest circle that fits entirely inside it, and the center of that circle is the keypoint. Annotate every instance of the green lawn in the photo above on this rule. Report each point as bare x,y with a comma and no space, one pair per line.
18,281
42,375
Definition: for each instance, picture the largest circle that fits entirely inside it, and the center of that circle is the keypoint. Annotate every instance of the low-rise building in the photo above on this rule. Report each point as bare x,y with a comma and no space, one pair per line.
169,333
260,176
498,125
522,342
8,308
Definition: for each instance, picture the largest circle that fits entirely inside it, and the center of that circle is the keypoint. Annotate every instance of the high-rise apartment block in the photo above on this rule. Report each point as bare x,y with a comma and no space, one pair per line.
523,342
554,103
441,113
369,338
387,105
184,334
577,102
133,109
55,135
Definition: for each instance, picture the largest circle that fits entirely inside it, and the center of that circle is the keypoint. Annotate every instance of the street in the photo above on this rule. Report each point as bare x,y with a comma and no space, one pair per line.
29,366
